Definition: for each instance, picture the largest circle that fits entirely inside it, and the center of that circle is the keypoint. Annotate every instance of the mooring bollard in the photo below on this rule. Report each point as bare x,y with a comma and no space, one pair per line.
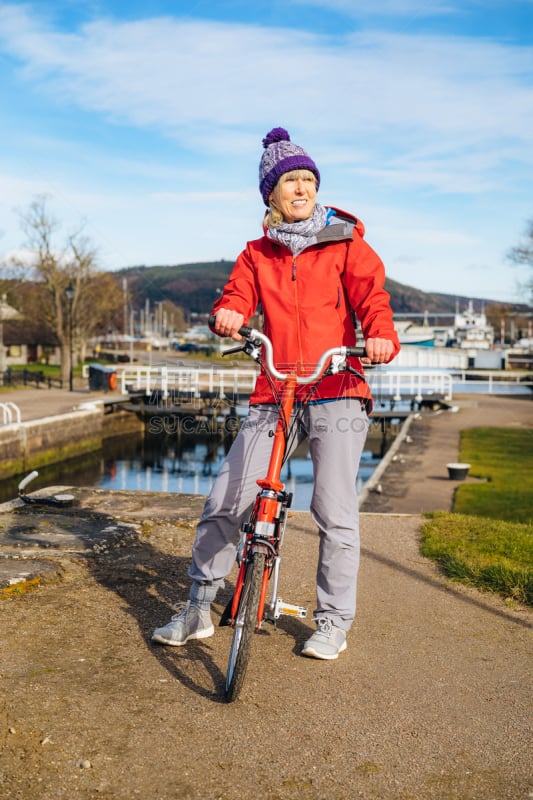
457,471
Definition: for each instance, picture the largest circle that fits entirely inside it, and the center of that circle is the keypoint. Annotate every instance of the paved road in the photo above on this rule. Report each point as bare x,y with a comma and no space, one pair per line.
39,403
415,479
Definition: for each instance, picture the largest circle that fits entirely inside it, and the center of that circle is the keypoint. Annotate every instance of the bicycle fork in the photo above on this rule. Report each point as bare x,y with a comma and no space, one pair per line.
266,536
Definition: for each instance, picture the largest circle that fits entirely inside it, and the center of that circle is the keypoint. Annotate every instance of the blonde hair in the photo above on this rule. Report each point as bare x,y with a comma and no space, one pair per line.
273,217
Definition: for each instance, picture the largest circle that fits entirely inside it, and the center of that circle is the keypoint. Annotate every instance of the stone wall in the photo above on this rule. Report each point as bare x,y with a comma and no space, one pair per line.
37,443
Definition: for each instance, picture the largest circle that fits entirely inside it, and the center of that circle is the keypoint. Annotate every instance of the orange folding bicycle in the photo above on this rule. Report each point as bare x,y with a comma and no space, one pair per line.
262,534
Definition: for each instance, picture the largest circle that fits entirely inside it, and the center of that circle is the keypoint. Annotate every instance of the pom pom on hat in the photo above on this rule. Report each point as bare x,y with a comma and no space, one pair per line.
281,156
276,135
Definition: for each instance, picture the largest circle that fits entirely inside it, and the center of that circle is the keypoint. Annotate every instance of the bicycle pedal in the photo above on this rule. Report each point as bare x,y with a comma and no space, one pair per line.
282,609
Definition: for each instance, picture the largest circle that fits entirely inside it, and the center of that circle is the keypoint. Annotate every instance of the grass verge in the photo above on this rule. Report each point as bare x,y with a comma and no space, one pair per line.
487,553
487,541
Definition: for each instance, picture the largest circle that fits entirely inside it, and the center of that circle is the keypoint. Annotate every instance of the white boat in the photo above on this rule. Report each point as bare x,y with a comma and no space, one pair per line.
411,334
472,330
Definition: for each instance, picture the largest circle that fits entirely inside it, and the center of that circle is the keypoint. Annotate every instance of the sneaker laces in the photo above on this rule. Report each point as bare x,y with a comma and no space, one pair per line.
184,609
181,609
324,625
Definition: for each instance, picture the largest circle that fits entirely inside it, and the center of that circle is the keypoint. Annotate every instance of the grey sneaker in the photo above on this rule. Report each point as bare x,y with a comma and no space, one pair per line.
327,642
190,622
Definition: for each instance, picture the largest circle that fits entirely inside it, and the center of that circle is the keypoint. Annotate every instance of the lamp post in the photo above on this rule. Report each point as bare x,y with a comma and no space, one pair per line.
70,292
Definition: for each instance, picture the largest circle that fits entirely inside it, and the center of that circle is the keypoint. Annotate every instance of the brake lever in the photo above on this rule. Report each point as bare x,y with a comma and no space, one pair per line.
353,371
342,366
239,348
252,348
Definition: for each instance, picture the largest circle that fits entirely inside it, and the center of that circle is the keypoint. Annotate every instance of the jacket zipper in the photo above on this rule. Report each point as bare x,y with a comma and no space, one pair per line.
297,304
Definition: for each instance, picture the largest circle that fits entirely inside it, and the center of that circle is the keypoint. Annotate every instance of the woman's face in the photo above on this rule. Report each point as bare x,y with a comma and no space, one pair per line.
295,195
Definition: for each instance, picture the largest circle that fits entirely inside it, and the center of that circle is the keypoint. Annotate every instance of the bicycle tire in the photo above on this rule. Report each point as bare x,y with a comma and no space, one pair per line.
245,625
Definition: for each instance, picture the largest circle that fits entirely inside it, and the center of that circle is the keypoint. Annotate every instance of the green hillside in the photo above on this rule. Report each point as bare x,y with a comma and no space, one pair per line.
190,286
195,287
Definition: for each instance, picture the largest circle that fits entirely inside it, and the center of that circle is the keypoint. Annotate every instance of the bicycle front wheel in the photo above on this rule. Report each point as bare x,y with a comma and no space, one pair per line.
245,625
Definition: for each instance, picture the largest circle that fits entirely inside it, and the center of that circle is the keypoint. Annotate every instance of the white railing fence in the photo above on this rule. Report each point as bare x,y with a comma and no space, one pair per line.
169,380
396,385
10,413
493,381
385,382
404,384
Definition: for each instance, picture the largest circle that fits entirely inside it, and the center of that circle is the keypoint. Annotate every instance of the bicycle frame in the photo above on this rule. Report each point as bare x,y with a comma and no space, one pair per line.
262,536
264,532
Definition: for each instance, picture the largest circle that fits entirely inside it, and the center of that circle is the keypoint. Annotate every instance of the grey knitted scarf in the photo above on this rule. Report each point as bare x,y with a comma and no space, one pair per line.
299,235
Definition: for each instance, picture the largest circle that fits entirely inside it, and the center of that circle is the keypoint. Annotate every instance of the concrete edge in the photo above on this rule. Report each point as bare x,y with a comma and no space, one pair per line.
75,411
377,475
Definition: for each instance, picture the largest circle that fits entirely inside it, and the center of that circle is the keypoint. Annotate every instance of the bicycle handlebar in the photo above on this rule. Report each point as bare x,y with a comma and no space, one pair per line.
253,336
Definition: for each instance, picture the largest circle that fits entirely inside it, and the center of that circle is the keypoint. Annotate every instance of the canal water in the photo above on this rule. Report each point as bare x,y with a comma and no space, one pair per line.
161,464
195,468
155,464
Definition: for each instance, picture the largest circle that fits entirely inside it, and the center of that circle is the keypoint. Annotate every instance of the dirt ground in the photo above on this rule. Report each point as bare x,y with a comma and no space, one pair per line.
432,698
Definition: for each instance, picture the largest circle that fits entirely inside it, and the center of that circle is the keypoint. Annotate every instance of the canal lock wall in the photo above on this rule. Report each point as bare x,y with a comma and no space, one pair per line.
34,444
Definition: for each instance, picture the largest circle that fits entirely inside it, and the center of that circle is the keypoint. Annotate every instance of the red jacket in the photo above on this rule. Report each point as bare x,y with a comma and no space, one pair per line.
307,299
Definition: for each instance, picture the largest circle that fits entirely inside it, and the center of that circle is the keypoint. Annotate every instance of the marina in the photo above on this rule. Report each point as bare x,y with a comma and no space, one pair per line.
190,410
178,401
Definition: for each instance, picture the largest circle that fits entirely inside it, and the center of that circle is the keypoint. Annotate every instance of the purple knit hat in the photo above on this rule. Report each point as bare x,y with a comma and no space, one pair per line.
281,156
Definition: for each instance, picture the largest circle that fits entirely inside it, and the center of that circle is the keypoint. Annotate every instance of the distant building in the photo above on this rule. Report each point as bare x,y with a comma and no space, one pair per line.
472,330
25,344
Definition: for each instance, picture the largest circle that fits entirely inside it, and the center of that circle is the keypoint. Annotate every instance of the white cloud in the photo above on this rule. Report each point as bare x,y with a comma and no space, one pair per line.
402,118
384,8
409,9
210,84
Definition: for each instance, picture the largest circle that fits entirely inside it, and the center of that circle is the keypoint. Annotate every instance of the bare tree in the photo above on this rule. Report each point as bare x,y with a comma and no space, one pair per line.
71,266
522,253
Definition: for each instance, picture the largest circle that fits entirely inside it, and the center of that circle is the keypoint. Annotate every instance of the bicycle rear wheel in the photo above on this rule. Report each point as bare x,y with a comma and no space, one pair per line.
245,625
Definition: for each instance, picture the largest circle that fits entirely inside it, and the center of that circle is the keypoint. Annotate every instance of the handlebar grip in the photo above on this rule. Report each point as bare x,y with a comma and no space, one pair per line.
245,331
357,352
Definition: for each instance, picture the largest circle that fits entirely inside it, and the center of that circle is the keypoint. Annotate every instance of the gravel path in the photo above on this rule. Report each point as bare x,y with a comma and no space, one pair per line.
430,700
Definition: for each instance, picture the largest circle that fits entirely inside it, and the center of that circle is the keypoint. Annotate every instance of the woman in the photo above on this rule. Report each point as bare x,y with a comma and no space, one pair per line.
310,272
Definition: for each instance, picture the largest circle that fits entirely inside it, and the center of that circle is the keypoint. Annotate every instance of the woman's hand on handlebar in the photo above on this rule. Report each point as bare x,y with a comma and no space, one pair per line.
378,351
228,323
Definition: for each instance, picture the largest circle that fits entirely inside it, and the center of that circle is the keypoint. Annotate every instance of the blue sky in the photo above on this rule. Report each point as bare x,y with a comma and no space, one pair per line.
143,121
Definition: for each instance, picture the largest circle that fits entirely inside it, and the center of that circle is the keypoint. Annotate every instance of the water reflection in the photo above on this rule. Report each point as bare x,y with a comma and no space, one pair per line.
186,464
190,467
159,464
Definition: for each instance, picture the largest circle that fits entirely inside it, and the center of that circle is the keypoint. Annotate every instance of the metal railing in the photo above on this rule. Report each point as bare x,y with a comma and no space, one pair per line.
391,384
192,382
409,384
26,377
493,381
9,411
396,385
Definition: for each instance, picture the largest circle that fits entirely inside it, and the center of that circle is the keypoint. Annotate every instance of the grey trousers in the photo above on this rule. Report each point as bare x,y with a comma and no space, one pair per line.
336,432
